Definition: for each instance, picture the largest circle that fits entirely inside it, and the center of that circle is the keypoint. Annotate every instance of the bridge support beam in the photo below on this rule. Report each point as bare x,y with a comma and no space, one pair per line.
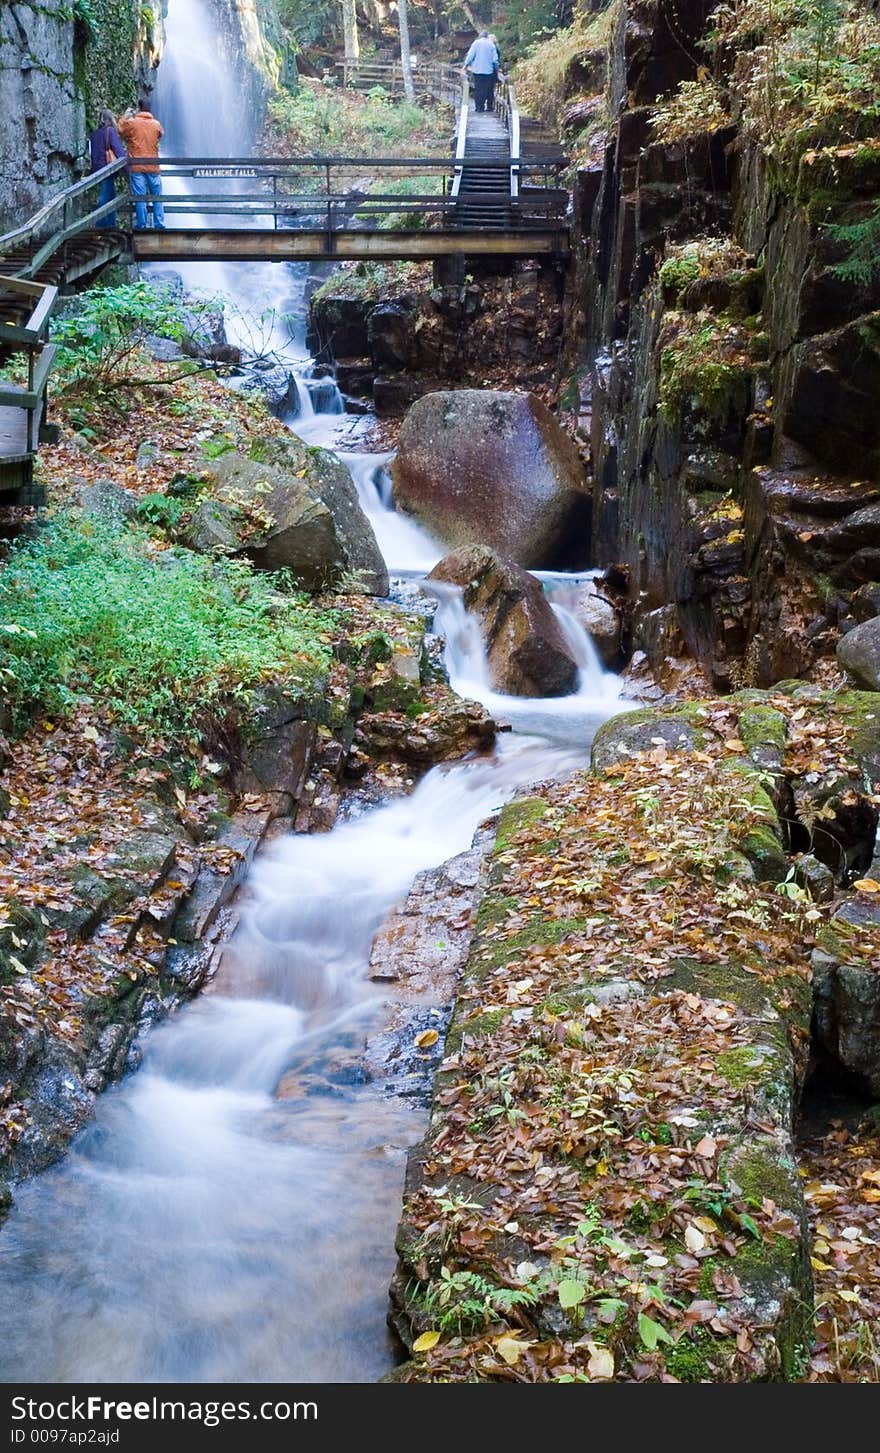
450,271
250,245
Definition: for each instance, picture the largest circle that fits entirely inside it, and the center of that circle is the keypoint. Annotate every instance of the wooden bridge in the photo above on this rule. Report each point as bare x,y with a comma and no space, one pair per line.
495,193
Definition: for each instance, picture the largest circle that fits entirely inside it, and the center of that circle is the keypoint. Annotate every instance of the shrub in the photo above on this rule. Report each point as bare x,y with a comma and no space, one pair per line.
325,121
695,107
543,77
794,74
100,346
156,638
704,366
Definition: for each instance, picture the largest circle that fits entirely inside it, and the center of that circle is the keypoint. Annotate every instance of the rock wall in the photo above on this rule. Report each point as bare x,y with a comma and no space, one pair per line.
59,64
730,368
394,348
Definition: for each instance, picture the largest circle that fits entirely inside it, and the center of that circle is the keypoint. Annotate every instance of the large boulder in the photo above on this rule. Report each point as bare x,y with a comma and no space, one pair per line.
294,508
527,652
859,653
482,467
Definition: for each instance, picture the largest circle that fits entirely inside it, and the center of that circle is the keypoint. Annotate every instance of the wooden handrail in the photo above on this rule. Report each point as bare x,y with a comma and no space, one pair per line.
59,201
513,129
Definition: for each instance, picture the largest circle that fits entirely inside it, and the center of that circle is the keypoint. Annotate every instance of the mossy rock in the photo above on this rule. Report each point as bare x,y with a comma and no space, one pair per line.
516,815
698,1356
762,843
762,726
640,731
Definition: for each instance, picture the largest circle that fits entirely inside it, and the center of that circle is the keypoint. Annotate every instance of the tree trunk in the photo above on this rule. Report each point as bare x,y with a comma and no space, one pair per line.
471,16
409,89
350,33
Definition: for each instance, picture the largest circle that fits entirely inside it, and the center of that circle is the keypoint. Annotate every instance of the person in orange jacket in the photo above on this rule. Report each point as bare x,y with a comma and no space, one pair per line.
142,134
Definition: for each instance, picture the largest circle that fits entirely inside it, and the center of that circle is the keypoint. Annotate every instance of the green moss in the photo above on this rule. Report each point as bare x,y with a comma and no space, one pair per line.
761,726
520,813
491,955
704,369
733,984
677,272
479,1026
761,1171
484,1024
700,1357
740,1066
106,69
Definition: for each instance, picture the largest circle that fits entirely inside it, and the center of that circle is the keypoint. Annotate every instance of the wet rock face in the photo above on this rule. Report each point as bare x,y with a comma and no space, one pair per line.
601,622
528,654
294,509
398,348
859,654
493,468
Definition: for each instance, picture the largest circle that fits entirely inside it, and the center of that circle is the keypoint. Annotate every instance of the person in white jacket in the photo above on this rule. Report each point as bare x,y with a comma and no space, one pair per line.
483,60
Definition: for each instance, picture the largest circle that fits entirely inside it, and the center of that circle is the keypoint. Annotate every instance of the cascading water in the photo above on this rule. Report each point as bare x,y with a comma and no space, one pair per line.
228,1214
199,99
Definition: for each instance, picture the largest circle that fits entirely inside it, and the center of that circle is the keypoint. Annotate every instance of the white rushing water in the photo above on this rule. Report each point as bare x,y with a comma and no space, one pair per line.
229,1213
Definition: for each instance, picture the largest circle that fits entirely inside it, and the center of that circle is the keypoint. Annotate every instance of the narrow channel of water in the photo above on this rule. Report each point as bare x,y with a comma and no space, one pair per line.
205,1227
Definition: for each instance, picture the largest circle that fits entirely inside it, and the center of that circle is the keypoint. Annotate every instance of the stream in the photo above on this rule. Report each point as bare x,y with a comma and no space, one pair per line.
204,1228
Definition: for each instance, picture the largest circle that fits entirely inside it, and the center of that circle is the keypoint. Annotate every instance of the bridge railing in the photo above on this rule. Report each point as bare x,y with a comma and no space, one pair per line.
73,210
269,193
275,193
436,78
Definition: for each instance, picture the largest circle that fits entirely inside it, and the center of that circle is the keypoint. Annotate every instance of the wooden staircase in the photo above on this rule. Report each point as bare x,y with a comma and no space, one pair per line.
484,188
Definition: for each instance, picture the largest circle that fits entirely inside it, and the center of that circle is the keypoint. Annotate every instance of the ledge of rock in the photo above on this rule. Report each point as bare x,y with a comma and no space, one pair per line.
615,1104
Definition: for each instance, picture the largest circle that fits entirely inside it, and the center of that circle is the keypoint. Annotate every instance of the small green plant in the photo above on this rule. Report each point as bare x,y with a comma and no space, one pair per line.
465,1299
99,349
862,239
161,510
157,638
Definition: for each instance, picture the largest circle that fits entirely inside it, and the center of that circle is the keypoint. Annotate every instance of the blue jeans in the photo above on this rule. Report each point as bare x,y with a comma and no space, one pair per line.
106,193
143,183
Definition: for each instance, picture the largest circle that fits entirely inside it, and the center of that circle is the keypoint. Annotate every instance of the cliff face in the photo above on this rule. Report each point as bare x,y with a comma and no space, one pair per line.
59,64
61,61
733,366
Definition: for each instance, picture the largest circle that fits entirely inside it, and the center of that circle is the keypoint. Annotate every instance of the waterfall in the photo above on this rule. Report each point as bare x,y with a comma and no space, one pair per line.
200,100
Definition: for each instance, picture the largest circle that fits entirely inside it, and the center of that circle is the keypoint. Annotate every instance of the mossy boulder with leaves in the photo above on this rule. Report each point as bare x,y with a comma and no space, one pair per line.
294,508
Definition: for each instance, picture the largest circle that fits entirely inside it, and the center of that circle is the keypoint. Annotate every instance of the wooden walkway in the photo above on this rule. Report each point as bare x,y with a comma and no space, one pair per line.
15,455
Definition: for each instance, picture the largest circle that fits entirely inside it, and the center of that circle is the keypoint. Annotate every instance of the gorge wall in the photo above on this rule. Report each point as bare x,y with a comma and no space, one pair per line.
62,60
59,64
730,366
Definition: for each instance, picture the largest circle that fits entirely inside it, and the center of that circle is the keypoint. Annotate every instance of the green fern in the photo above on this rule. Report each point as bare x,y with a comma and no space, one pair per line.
464,1299
862,262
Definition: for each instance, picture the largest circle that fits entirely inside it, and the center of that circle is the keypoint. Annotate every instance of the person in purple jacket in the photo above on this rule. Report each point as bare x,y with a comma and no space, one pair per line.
105,146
